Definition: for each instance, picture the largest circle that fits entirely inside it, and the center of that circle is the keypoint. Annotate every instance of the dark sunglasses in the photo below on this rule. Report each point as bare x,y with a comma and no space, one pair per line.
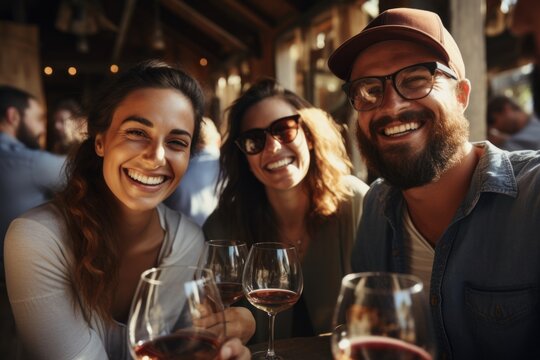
284,130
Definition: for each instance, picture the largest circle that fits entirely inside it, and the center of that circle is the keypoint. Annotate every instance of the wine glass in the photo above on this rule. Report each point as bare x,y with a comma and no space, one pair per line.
226,259
176,314
382,316
272,283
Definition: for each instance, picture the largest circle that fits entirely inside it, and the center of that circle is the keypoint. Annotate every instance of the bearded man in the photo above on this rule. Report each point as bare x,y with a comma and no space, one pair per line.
463,217
28,178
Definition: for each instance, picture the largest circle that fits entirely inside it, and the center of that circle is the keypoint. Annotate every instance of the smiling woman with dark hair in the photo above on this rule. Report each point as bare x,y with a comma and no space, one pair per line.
285,177
73,265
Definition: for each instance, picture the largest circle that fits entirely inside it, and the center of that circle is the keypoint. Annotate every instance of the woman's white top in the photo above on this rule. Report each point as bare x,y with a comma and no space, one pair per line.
38,262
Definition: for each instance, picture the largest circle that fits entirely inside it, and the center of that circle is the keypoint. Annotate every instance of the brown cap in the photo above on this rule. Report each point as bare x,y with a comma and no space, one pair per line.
419,26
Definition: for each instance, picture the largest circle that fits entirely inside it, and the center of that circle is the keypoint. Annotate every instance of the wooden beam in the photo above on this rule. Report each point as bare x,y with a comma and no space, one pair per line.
247,13
186,12
183,42
126,19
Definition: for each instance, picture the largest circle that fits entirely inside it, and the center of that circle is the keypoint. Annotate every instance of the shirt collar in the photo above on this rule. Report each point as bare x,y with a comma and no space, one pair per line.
494,173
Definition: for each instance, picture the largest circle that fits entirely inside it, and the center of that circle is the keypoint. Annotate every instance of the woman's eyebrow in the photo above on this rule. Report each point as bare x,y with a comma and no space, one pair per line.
138,119
150,124
180,132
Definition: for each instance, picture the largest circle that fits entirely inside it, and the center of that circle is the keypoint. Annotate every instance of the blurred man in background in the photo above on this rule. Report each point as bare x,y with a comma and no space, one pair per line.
510,127
29,177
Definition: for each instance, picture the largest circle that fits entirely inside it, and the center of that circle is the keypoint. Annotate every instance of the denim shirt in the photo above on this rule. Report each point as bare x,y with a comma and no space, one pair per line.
29,178
484,293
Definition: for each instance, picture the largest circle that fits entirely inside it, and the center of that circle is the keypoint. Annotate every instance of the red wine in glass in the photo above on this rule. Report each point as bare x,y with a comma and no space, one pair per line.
226,259
382,315
176,314
384,348
272,282
179,346
273,300
230,292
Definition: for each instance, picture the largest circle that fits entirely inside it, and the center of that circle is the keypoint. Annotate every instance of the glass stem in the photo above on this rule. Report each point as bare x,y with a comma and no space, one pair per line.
270,353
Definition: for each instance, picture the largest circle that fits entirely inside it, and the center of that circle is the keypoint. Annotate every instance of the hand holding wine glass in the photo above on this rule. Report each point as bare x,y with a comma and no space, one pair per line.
272,282
176,314
226,259
382,316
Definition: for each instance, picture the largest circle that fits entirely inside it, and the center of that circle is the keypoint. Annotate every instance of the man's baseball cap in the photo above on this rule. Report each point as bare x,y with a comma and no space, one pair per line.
419,26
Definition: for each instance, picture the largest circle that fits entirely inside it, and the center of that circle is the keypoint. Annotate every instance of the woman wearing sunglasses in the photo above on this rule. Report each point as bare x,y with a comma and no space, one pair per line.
285,177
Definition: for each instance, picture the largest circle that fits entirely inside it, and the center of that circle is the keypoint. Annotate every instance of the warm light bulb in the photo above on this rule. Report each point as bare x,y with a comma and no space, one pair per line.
294,52
72,70
234,79
321,40
48,70
203,62
222,82
114,68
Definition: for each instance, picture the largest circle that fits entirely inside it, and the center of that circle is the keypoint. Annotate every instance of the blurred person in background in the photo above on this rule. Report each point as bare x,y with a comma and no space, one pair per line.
524,24
196,195
510,127
285,177
68,126
29,178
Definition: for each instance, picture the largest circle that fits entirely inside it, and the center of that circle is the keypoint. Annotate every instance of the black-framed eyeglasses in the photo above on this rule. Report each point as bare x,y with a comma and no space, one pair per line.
411,83
284,130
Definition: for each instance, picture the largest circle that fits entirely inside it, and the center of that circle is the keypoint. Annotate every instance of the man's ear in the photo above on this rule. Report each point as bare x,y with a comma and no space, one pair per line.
98,145
463,92
13,116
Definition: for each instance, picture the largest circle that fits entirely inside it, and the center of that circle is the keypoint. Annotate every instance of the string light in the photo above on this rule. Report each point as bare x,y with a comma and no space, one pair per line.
203,62
114,68
48,70
72,70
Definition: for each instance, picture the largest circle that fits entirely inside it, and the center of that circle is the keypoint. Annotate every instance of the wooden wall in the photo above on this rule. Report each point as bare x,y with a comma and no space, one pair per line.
20,63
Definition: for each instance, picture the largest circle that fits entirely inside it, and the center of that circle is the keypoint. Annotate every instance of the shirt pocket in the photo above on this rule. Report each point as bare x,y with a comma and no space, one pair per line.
501,306
503,320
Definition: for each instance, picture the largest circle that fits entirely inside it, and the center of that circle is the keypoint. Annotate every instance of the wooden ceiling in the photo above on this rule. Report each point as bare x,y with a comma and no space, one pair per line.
125,31
93,34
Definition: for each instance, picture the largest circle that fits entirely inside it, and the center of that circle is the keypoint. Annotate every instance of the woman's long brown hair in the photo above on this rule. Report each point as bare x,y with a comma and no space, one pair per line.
243,201
86,202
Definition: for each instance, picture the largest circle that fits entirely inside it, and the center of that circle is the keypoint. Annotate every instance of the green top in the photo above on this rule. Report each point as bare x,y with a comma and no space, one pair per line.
325,262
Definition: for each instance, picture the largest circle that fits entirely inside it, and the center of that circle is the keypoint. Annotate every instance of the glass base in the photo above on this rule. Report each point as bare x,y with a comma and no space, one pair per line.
262,355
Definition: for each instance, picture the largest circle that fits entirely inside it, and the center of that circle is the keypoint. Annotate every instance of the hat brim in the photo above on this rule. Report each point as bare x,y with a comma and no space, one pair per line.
341,61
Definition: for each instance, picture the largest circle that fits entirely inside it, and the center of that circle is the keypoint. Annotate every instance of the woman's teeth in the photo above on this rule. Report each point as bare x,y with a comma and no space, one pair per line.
400,129
279,163
147,180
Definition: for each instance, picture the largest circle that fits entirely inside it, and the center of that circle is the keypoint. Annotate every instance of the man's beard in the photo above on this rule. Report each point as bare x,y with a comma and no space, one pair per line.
27,137
406,165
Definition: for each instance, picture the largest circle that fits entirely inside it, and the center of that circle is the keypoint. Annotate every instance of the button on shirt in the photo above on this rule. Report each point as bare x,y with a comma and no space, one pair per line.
485,283
28,178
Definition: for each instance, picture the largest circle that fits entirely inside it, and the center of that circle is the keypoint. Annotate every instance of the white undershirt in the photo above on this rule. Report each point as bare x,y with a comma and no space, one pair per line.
418,251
